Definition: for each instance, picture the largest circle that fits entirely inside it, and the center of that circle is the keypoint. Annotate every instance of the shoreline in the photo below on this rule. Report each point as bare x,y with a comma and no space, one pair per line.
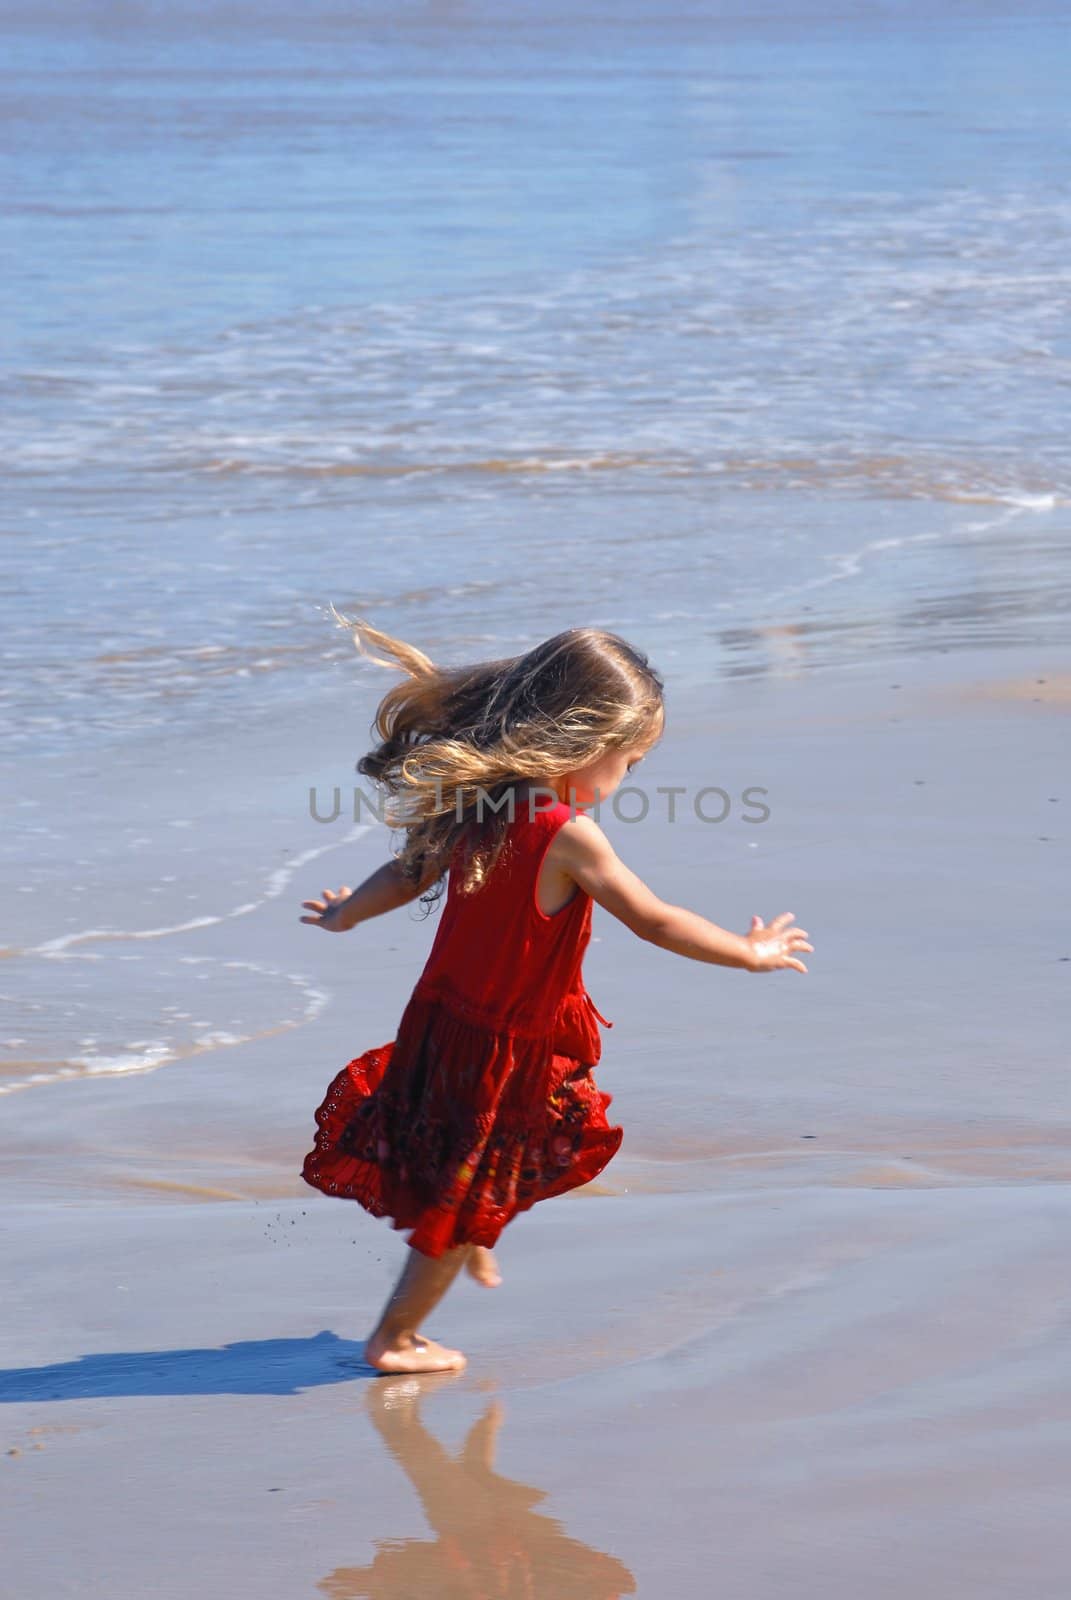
808,1320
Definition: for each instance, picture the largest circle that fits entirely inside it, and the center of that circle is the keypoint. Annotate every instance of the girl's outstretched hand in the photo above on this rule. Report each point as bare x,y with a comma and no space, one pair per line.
775,945
330,911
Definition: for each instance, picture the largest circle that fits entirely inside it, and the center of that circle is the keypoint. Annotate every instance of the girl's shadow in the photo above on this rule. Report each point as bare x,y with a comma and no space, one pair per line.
251,1366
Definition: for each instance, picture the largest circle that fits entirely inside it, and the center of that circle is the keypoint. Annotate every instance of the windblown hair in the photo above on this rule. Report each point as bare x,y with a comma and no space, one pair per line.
450,737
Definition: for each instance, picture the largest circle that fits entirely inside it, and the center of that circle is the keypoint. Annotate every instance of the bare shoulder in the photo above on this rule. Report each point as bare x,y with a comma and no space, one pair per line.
581,851
579,839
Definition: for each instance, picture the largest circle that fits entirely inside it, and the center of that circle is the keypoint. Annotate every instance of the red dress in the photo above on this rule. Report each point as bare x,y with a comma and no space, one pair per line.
485,1101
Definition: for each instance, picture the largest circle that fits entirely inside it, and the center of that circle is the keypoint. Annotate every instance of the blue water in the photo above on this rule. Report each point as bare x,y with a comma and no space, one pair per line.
742,331
487,322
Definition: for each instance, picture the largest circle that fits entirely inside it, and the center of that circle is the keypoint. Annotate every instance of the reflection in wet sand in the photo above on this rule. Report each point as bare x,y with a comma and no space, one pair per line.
489,1543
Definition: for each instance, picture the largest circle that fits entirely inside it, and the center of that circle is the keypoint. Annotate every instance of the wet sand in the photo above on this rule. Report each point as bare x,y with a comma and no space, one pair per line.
810,1392
805,1336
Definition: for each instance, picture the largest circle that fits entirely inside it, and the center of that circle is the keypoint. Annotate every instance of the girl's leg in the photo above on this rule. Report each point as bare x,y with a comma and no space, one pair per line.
395,1344
482,1266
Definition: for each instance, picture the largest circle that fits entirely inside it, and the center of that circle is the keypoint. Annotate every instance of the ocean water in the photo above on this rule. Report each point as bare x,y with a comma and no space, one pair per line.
719,329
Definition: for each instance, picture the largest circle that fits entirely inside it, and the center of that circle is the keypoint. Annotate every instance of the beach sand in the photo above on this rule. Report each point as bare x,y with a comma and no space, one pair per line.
806,1336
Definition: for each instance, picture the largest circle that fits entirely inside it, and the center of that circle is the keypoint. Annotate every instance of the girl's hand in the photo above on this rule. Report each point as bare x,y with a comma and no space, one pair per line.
774,945
330,911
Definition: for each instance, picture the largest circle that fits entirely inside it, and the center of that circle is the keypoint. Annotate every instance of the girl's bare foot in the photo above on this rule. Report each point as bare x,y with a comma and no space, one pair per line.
411,1352
482,1266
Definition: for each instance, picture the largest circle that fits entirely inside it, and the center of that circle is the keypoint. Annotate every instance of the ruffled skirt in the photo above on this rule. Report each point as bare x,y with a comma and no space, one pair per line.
451,1130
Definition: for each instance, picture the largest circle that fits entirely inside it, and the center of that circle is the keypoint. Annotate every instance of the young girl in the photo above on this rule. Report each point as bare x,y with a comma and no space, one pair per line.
485,1102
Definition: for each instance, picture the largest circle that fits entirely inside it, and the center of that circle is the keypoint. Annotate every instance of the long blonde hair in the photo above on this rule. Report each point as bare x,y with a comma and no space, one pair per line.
450,735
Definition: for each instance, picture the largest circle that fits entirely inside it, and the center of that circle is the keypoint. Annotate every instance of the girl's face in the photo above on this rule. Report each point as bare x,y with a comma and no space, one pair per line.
598,780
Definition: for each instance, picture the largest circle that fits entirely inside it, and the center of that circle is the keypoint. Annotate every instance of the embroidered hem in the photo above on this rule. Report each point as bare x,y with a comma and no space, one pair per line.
452,1130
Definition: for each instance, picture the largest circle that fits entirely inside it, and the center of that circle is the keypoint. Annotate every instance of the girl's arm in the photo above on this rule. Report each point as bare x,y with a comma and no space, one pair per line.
385,890
582,852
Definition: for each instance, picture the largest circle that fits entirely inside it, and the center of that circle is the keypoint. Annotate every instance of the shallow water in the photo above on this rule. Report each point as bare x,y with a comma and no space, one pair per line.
686,325
737,334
